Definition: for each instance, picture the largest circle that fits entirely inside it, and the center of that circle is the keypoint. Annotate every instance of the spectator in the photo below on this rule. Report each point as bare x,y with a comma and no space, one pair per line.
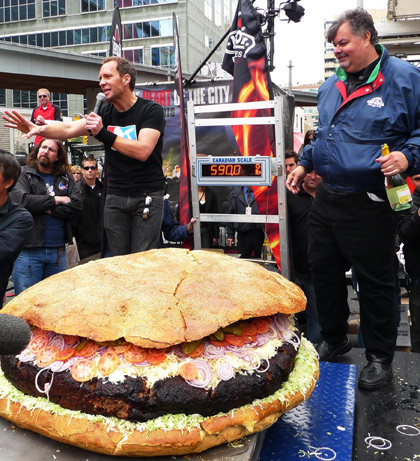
171,229
372,99
409,231
291,160
15,222
88,225
209,231
309,136
45,111
76,171
131,129
250,235
47,190
298,208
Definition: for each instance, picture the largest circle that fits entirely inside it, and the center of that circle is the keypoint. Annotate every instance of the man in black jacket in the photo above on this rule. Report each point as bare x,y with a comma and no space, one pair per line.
409,231
250,235
88,226
15,222
46,188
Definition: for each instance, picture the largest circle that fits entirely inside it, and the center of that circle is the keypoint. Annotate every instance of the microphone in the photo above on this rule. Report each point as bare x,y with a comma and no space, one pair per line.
100,99
15,334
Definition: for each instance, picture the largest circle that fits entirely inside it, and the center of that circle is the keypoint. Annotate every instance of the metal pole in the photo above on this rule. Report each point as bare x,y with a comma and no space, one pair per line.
290,66
359,3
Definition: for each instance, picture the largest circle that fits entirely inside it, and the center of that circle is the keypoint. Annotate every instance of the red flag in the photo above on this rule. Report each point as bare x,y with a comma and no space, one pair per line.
246,59
185,208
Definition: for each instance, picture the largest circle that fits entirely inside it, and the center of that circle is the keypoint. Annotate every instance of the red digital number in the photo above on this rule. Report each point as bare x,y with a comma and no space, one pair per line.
258,169
213,170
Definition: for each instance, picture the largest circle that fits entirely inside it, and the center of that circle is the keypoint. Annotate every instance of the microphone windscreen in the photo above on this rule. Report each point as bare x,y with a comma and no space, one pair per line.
15,334
100,99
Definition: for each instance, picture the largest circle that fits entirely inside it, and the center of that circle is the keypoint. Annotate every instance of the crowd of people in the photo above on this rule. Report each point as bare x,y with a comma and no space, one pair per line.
339,217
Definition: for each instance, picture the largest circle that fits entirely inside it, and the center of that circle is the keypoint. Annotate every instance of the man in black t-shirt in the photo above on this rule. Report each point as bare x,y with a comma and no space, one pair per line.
131,129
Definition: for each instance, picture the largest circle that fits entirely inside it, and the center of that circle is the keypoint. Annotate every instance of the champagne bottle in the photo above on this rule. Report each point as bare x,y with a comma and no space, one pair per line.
396,187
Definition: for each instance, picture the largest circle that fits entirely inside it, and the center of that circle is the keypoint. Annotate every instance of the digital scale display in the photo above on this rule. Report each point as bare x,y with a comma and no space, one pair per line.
234,171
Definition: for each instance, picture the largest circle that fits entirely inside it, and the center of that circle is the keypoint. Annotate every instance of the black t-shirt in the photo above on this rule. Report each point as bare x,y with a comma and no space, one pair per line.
126,175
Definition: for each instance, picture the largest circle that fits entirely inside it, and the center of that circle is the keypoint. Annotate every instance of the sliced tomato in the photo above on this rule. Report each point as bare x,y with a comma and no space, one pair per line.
46,356
66,354
234,340
156,356
248,329
135,354
188,371
38,342
108,362
39,331
88,350
120,349
219,343
197,352
261,324
70,339
249,338
83,370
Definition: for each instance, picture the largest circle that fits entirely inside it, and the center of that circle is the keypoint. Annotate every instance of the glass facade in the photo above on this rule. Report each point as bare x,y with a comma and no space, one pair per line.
92,5
16,10
163,56
131,3
145,29
2,97
53,8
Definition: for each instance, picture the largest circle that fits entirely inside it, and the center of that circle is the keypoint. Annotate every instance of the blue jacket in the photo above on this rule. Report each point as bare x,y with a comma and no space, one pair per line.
351,131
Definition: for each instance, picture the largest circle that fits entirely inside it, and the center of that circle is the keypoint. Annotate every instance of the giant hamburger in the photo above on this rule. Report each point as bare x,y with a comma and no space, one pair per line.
164,352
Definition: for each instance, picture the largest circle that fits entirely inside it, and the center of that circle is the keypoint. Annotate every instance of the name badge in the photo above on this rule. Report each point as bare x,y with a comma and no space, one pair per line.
248,211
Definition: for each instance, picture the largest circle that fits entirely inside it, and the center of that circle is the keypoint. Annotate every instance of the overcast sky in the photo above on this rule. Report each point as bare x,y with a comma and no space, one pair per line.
303,42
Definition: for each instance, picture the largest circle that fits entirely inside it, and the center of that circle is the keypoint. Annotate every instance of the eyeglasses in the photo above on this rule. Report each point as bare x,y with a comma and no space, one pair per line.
89,167
42,96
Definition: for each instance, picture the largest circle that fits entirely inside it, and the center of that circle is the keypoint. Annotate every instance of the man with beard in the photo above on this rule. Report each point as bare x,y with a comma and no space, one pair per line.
46,188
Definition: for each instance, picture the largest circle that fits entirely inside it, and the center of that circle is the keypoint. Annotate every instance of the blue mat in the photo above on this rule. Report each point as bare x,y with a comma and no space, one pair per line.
320,428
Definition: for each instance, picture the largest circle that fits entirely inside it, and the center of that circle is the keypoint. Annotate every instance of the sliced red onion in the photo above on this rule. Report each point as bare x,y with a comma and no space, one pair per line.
56,366
239,351
213,352
287,335
262,339
101,350
253,357
267,367
47,386
68,364
178,352
271,333
282,322
204,371
58,341
142,364
26,356
225,371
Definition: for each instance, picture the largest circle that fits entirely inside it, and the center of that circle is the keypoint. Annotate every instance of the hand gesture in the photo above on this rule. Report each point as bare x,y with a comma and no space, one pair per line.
19,122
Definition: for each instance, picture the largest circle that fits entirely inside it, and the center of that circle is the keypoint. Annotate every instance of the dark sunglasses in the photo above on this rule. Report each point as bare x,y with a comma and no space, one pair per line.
43,96
89,167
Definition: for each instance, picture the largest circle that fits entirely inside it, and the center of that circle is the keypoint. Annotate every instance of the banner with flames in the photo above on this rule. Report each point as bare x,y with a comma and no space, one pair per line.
246,59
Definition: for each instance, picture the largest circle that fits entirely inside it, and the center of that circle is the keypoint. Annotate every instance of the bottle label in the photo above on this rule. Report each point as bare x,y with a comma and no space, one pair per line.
399,197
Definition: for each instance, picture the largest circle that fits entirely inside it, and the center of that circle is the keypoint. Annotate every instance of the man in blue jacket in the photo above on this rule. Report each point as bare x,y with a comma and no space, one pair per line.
373,99
15,222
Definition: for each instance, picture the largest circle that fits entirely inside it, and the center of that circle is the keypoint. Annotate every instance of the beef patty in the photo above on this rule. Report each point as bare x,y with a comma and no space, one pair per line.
131,399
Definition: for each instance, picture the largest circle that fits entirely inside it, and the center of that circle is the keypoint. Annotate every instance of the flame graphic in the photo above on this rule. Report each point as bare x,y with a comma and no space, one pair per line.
259,139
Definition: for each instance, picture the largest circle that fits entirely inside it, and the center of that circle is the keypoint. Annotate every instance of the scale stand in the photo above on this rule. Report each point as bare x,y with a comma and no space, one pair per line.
233,173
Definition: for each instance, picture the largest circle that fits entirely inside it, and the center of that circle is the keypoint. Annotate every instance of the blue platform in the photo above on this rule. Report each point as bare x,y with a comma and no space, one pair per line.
322,427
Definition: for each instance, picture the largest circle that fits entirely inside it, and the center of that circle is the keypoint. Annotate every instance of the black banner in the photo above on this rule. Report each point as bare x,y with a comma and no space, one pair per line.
115,42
